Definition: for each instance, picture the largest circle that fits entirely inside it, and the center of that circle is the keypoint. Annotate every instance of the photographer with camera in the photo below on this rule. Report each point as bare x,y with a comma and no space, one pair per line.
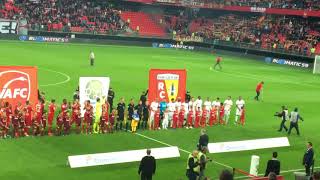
203,159
284,115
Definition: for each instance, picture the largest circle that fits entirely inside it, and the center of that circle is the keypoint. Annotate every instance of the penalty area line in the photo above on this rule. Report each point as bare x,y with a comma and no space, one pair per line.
183,150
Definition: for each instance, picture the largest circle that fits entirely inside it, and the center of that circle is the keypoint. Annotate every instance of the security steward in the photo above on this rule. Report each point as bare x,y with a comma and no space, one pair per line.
193,168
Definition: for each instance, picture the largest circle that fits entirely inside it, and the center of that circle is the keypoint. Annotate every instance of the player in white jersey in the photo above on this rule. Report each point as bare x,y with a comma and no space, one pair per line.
239,104
198,103
216,103
153,108
227,108
186,109
192,105
171,107
178,103
207,106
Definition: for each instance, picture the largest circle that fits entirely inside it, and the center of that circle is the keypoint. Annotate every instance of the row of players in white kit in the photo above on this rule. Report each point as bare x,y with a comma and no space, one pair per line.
197,104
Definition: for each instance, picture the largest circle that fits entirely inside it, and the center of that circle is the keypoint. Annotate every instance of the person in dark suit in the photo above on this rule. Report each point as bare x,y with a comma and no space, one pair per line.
308,158
273,165
147,166
203,140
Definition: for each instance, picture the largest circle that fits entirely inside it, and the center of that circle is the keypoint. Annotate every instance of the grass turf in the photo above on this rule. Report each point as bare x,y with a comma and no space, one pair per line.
45,157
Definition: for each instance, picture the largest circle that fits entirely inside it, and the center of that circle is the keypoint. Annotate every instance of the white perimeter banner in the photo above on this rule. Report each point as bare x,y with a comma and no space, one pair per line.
90,88
248,145
121,157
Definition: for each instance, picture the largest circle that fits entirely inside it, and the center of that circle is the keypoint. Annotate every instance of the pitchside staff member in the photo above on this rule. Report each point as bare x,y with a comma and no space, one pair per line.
203,140
294,118
308,158
111,95
120,108
147,166
130,113
91,57
284,115
273,165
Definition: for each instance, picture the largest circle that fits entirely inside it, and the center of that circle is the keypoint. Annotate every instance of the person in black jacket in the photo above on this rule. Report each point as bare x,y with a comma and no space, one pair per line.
139,109
192,166
121,109
203,140
308,158
143,97
130,114
273,165
284,114
147,166
110,98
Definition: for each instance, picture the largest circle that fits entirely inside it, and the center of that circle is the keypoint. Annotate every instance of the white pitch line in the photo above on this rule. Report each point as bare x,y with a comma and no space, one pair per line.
58,83
185,151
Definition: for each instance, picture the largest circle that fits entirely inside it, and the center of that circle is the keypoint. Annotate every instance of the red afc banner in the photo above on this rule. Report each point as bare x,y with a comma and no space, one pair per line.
18,84
166,84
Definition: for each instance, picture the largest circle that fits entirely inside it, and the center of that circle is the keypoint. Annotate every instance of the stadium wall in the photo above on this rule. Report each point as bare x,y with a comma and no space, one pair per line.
161,43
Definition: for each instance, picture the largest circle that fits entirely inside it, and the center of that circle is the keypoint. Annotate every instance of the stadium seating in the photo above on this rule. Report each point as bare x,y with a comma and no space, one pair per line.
147,26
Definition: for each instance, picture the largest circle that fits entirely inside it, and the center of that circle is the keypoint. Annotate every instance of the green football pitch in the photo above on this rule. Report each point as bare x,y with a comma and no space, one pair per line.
61,65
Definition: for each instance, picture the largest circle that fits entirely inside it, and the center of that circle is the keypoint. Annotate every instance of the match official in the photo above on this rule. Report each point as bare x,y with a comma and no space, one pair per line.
121,109
147,166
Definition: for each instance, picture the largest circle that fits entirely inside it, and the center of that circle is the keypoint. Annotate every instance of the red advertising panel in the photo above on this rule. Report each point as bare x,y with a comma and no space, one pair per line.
166,84
18,84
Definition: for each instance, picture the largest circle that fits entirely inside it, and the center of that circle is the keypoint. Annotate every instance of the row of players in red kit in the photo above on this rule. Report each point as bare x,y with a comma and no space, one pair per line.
196,119
24,119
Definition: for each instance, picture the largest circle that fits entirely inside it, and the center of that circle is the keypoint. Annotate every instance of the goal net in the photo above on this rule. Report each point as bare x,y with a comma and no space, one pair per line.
316,65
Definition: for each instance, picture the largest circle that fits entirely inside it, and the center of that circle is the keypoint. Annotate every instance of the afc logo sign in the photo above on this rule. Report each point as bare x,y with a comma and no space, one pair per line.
18,84
166,84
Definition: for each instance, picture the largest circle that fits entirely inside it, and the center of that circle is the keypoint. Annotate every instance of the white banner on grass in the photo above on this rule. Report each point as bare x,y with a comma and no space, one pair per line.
248,145
121,157
91,88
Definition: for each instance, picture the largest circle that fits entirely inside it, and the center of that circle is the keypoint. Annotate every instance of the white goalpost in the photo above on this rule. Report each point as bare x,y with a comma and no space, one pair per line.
316,65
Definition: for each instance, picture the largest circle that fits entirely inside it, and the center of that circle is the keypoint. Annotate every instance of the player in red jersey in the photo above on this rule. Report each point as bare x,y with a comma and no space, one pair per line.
43,122
213,116
104,118
59,124
28,117
203,117
39,111
8,111
88,115
3,125
175,118
221,114
218,62
242,116
156,119
181,116
190,118
52,110
197,118
76,115
259,90
15,123
112,117
66,124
